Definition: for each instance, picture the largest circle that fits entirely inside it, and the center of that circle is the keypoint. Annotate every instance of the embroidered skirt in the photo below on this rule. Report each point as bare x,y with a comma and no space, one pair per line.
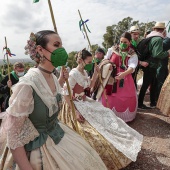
106,148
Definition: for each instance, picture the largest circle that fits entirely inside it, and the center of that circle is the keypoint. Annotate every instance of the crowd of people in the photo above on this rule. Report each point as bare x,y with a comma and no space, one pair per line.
43,127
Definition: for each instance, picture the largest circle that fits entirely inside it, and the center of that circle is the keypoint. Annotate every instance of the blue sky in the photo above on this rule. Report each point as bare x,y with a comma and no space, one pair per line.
17,20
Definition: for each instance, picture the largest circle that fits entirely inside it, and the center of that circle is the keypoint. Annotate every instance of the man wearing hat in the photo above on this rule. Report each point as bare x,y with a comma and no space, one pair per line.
134,31
99,55
157,54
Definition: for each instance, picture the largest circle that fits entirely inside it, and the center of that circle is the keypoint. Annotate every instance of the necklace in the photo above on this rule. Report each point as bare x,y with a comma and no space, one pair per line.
46,71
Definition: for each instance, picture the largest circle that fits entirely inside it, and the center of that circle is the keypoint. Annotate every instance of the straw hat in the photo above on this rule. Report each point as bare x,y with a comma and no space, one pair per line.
134,28
160,25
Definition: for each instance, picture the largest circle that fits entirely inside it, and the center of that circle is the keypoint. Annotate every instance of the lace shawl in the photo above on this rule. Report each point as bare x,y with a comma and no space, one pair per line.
16,129
76,77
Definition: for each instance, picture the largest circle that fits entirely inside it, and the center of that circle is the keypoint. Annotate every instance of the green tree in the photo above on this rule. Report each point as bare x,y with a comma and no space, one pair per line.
114,32
71,59
94,48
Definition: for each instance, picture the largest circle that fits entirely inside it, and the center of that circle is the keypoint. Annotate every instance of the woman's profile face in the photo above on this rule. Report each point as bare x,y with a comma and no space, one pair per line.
88,60
54,42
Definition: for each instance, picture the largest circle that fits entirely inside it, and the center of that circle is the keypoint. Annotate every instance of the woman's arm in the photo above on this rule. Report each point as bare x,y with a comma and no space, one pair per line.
95,76
123,74
132,64
72,83
67,99
79,117
18,126
21,159
63,76
93,80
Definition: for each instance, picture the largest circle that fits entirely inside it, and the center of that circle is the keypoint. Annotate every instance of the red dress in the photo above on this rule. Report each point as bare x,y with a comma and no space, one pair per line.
124,101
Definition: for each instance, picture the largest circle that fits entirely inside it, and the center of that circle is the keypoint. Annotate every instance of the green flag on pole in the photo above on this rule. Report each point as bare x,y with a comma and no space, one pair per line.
35,1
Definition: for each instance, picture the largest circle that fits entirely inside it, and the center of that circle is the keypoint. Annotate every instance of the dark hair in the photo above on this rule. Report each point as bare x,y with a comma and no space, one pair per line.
41,37
83,54
100,50
127,35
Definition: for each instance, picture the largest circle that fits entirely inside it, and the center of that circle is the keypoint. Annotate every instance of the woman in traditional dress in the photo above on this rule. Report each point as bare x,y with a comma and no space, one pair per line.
37,140
164,98
121,94
111,137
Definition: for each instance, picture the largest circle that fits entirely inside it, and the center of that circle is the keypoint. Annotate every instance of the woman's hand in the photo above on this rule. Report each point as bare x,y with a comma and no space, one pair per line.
64,74
79,117
9,83
96,69
96,72
119,76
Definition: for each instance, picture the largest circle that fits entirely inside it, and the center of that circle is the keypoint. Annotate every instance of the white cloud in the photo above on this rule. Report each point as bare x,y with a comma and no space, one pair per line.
19,18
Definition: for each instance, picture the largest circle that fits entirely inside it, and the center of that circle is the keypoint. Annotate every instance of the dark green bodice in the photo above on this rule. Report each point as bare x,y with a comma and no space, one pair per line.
45,125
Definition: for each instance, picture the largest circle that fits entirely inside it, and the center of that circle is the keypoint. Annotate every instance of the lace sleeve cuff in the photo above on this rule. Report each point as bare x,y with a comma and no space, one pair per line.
21,103
21,133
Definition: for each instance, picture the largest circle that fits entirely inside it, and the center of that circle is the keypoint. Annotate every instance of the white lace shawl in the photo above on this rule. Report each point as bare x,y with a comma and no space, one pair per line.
36,80
16,127
76,77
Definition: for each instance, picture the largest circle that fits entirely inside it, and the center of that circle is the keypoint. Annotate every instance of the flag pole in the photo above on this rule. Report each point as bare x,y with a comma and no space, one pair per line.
52,16
9,76
67,83
7,59
85,31
100,78
4,156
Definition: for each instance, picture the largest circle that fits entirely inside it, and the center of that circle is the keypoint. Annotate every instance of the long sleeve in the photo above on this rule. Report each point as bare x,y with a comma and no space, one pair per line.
156,47
19,129
133,62
109,54
4,82
4,89
166,44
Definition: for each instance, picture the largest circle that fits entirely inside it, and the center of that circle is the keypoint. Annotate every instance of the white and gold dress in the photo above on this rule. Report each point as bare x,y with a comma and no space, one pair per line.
31,121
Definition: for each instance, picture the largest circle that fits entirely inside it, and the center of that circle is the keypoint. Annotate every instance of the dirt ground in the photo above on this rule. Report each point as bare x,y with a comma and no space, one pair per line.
155,127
